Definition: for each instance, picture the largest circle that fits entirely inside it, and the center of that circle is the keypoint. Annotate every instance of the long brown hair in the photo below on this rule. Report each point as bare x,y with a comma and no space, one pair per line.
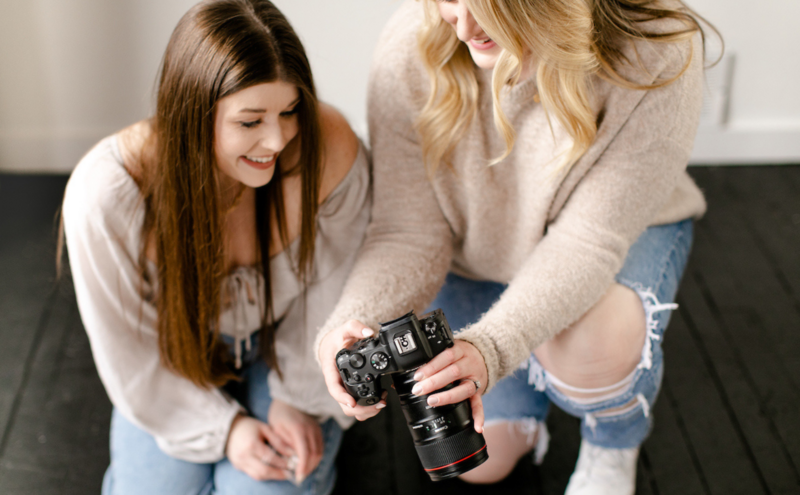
218,48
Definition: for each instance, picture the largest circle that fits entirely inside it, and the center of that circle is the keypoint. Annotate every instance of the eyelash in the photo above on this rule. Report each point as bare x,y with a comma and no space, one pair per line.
254,123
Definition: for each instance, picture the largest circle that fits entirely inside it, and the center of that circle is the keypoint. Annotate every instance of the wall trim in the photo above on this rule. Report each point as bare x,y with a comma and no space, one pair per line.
32,151
743,146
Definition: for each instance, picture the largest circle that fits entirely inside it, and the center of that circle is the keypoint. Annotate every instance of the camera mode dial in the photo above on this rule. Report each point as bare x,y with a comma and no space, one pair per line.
379,361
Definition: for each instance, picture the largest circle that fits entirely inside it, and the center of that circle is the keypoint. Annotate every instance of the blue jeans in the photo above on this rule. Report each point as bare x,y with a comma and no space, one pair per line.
138,466
652,268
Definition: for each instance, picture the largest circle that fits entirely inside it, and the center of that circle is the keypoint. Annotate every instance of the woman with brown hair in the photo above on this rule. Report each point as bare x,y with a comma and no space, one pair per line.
207,244
536,150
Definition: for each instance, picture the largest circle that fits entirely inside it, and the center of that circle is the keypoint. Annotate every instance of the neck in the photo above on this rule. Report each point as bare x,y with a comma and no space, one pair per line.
231,192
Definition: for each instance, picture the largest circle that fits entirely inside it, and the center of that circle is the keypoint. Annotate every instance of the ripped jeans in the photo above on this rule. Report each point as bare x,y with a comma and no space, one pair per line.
653,268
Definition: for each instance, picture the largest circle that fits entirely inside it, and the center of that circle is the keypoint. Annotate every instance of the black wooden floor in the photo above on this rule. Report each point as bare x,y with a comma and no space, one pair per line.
727,421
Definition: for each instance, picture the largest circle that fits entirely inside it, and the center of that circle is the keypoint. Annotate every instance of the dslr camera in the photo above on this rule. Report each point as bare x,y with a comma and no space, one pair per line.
444,436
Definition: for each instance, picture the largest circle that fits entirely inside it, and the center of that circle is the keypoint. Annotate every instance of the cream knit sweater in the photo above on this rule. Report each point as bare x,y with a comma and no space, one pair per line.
556,241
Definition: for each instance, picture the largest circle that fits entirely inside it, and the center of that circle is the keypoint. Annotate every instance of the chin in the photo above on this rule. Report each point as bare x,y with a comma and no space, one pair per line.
256,180
485,61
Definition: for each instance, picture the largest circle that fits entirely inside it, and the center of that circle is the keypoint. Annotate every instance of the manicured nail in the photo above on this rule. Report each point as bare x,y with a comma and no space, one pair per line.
418,376
432,401
417,389
367,332
380,406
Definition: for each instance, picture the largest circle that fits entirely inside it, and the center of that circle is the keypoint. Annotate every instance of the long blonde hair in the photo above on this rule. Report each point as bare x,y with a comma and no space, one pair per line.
572,41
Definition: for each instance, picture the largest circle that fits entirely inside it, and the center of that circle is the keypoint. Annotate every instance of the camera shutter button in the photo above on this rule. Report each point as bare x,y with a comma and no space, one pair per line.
430,327
357,361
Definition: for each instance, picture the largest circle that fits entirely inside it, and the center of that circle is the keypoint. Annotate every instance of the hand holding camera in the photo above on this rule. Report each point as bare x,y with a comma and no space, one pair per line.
447,439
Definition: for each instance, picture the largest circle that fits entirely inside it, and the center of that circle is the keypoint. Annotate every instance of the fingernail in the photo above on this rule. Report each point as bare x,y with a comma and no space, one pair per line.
432,401
380,406
418,376
367,332
417,389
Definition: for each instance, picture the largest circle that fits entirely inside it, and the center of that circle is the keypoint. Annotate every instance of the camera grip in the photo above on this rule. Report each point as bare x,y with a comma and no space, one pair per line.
361,380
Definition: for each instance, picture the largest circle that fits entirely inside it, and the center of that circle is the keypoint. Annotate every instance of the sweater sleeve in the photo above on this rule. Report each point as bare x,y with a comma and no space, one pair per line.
574,264
408,247
101,227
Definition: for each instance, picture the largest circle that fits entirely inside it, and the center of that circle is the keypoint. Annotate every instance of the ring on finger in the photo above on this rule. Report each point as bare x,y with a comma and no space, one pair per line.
477,384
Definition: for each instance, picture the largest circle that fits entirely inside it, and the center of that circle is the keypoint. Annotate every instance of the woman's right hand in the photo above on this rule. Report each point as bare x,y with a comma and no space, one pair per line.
255,449
338,339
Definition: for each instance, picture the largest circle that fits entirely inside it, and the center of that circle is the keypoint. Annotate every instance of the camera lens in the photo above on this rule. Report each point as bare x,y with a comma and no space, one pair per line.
445,437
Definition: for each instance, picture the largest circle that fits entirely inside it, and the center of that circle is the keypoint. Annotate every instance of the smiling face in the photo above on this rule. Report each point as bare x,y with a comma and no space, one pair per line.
483,49
252,127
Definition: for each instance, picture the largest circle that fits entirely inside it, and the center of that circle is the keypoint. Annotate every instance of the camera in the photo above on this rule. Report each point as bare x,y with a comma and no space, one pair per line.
444,436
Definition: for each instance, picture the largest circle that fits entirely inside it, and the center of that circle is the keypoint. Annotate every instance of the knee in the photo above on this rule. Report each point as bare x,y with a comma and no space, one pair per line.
485,477
507,443
605,342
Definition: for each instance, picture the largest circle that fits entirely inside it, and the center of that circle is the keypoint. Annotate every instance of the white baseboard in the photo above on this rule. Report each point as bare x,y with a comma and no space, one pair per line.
747,146
49,152
46,151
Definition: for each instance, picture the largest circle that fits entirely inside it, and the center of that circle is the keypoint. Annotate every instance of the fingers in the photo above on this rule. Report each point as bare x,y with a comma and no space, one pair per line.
440,362
463,362
354,330
456,394
264,463
363,413
338,339
334,383
315,450
476,401
260,471
274,441
301,447
448,375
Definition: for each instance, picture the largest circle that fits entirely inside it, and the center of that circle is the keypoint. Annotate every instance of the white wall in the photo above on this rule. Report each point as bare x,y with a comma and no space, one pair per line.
763,117
73,71
339,36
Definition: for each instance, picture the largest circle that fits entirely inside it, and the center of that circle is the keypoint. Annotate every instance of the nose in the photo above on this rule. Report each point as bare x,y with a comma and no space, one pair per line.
466,25
273,137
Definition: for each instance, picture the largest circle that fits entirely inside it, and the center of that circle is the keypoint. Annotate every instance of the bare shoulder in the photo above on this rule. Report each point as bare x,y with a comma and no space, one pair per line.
131,142
340,146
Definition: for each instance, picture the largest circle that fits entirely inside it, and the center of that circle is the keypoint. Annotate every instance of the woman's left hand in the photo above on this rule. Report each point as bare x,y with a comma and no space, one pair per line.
462,362
302,432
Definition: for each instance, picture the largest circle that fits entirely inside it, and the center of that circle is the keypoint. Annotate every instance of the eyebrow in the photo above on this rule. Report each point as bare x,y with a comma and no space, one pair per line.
262,110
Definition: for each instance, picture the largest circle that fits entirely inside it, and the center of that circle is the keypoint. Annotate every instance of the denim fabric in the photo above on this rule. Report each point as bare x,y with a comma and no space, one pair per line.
652,268
138,466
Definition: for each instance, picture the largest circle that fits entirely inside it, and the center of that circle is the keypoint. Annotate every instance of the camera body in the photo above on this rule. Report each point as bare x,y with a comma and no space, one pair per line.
403,344
444,436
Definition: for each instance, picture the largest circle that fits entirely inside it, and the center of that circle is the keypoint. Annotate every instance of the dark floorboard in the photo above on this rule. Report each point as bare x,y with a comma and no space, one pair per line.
727,421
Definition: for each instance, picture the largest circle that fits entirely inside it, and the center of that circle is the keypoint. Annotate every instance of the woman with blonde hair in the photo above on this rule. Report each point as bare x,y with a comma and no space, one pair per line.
535,150
207,245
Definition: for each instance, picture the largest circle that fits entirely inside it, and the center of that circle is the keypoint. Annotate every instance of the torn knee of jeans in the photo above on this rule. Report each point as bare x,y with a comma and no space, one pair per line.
638,401
536,374
536,436
592,396
611,414
651,306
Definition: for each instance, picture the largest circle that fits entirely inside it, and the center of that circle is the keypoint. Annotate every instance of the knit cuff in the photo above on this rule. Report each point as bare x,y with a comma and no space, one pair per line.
488,350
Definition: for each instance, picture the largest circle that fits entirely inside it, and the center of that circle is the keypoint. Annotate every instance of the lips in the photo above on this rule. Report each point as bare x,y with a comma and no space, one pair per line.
259,162
482,44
